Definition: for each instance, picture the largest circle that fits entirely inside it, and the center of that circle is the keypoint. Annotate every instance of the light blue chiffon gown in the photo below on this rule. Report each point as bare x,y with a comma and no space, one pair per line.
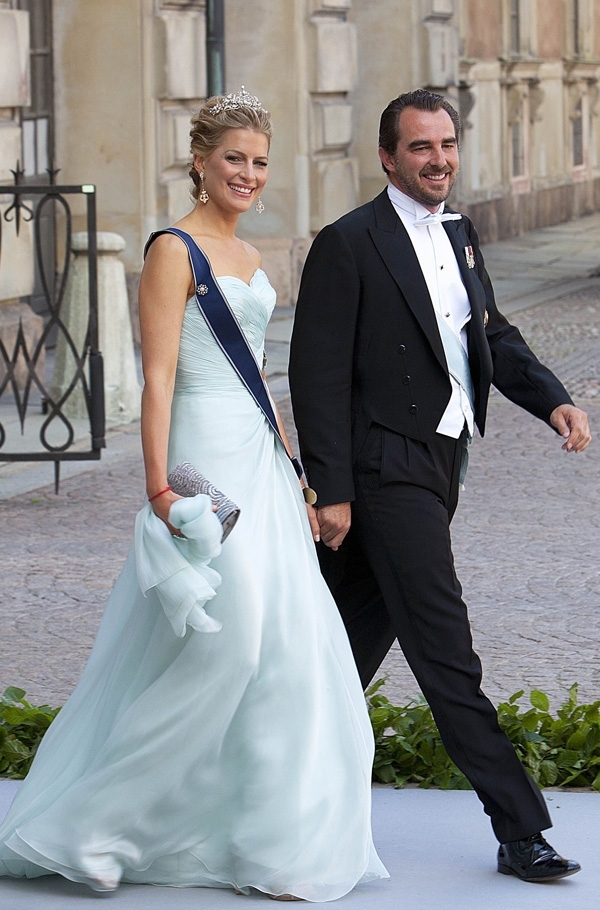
235,751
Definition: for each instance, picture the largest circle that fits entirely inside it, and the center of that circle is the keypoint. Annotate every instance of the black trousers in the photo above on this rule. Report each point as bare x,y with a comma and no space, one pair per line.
394,577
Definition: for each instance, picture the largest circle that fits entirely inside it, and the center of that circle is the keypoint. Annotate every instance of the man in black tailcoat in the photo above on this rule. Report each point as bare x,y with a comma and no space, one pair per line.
397,339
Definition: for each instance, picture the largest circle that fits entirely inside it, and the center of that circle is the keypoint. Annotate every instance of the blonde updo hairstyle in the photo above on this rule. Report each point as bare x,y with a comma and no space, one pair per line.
208,129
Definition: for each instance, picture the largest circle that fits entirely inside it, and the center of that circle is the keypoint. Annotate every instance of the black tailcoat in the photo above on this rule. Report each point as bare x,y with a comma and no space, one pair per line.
366,347
369,383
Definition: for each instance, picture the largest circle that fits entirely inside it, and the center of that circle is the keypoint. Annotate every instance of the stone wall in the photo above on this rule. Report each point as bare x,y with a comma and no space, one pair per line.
509,216
326,69
129,74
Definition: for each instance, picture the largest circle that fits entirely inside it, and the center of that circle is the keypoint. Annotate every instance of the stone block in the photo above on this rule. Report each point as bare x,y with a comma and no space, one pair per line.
133,287
15,86
13,314
322,5
336,64
185,54
336,190
283,261
440,58
276,261
331,125
175,135
16,259
180,201
121,387
10,149
439,8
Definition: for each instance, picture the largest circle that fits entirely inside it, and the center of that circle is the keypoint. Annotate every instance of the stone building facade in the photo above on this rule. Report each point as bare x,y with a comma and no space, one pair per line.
104,91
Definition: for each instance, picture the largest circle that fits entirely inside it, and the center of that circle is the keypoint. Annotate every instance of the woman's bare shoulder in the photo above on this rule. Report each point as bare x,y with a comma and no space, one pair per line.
253,254
166,244
167,260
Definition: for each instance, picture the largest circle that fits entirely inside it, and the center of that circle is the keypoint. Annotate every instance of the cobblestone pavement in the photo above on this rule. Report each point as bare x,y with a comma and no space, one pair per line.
526,540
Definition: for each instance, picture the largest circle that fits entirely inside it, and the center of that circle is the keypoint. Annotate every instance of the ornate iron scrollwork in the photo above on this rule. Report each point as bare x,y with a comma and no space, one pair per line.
23,366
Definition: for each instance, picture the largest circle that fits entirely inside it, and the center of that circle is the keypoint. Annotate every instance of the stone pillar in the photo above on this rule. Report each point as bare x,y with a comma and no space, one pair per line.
334,52
121,386
439,47
179,63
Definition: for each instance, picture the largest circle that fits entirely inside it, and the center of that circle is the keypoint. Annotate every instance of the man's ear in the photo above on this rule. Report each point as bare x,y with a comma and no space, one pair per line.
386,159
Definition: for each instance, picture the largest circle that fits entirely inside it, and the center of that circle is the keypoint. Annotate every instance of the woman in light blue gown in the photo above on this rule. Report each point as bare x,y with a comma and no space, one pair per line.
217,739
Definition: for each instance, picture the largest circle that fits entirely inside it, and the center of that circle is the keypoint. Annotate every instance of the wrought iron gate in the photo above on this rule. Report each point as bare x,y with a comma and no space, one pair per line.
44,429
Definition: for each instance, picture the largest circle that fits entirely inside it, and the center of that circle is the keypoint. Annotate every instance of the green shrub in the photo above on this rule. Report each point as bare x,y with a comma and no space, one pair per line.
22,727
561,751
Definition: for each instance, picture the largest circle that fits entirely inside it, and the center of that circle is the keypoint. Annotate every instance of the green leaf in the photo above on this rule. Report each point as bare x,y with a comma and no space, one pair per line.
567,758
572,701
375,687
14,749
379,717
549,773
386,775
577,740
14,716
539,700
12,695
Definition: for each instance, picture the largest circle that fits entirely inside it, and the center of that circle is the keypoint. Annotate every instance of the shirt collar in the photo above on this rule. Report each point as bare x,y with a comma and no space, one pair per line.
409,206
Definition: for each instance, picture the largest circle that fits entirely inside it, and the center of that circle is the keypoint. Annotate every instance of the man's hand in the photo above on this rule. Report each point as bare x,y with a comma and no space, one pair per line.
572,424
334,522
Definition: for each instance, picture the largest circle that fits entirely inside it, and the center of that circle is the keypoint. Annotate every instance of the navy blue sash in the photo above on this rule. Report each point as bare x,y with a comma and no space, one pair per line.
226,329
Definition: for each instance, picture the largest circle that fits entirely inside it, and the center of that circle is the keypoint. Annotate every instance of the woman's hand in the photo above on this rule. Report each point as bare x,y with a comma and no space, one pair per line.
161,506
314,523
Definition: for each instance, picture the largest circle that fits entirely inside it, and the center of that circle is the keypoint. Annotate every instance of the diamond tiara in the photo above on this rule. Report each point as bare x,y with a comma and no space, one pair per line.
236,100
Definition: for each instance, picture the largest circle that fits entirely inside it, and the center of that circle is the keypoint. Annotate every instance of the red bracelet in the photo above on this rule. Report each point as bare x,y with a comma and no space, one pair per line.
156,495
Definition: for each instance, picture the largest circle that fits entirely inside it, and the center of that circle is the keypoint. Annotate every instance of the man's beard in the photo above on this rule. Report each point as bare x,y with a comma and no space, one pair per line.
412,187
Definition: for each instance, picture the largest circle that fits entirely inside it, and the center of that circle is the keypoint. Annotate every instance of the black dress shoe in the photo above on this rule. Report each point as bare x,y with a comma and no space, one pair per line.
534,860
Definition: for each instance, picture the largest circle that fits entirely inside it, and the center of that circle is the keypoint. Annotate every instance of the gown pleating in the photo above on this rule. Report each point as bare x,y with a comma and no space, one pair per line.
235,756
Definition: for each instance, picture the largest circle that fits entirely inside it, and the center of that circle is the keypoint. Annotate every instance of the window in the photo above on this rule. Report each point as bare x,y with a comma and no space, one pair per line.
37,119
575,26
517,161
37,129
518,149
515,27
577,128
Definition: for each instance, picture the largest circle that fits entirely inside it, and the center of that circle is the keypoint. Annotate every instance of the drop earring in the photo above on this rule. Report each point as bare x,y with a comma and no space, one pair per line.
260,207
202,195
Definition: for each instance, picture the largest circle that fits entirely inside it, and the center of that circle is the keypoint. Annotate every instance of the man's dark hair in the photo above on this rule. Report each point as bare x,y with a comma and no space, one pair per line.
422,100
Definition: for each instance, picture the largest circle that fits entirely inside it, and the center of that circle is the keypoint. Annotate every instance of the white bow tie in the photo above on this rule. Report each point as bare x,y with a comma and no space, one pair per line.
436,218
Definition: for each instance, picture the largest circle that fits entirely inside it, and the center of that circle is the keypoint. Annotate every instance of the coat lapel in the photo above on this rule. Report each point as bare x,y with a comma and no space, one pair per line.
479,352
458,238
398,254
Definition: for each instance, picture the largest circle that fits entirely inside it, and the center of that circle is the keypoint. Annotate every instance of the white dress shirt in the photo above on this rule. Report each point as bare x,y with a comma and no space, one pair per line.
447,291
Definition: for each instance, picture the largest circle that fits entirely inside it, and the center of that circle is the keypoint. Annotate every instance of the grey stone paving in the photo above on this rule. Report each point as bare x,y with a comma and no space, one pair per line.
526,535
407,824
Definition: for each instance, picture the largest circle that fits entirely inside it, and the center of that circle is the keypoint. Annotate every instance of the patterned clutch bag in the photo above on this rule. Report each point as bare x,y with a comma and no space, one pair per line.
185,480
